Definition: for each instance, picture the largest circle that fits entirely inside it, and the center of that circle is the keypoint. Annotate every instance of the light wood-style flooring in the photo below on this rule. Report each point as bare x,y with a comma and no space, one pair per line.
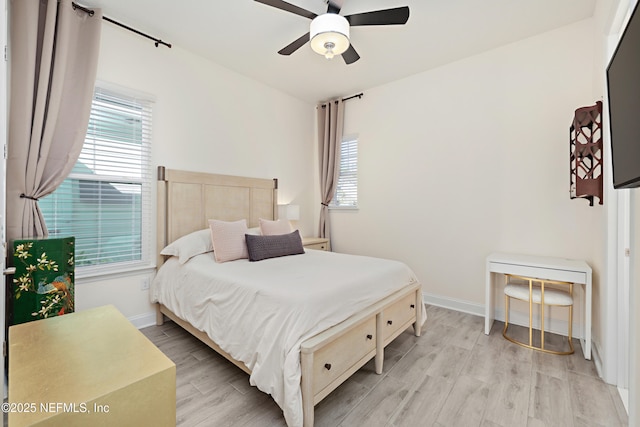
453,375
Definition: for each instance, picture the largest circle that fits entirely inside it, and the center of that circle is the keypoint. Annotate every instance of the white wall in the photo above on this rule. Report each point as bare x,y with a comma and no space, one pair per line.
206,118
472,158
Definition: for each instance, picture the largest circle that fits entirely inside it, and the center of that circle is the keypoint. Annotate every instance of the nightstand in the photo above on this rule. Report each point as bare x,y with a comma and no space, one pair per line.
319,243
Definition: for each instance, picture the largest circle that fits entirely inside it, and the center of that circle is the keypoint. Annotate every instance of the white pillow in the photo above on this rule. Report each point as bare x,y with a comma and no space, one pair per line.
272,228
228,239
190,245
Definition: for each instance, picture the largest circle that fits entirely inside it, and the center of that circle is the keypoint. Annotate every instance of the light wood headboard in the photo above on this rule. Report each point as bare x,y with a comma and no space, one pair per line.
187,200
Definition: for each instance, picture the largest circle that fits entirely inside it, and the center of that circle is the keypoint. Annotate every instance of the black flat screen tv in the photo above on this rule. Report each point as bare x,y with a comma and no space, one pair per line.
623,82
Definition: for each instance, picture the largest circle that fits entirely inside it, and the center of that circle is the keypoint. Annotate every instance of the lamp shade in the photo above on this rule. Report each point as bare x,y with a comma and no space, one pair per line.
289,212
329,34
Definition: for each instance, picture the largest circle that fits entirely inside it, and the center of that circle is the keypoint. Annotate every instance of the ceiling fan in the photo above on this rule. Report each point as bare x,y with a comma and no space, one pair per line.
329,32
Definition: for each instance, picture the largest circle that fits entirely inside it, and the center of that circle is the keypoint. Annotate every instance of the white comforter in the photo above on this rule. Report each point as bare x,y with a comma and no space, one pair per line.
260,312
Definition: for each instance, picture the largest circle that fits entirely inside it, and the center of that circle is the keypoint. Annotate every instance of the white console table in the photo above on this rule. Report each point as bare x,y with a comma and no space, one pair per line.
541,267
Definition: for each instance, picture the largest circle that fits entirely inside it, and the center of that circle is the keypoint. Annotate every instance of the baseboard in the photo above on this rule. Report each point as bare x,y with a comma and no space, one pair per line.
553,325
454,304
143,320
597,358
624,396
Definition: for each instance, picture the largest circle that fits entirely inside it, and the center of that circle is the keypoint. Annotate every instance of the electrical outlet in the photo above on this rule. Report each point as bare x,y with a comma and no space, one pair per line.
144,284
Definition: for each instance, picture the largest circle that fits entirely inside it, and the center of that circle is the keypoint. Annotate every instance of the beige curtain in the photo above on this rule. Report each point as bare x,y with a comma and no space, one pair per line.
330,127
53,55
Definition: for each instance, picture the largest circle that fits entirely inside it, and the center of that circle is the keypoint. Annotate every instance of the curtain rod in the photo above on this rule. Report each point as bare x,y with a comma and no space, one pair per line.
358,95
126,27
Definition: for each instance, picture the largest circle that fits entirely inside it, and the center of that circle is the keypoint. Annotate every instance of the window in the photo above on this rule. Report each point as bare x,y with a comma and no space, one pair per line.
105,200
347,188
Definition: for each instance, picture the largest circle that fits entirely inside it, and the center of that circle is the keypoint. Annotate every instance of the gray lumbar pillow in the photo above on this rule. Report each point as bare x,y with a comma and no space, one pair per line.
263,247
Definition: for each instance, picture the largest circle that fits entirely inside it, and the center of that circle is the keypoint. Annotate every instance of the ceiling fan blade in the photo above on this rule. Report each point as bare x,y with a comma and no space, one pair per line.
350,55
288,7
295,45
335,6
395,16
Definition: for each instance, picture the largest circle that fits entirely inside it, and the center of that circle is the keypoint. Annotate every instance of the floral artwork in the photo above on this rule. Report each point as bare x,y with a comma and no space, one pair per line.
43,284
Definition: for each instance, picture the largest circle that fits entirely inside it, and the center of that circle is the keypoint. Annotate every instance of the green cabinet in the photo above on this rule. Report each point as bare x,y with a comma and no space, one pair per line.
43,284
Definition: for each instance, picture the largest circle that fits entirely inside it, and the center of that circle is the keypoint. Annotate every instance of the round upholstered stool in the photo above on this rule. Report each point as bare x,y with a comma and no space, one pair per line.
536,292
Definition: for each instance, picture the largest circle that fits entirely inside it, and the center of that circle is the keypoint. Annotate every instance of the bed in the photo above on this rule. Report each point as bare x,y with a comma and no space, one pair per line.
322,312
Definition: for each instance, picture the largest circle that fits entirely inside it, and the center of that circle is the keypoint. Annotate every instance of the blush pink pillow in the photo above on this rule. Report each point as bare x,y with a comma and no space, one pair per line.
272,228
228,239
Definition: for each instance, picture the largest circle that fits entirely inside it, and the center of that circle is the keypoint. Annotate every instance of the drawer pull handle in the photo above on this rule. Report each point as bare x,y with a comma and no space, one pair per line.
389,322
369,336
328,366
413,306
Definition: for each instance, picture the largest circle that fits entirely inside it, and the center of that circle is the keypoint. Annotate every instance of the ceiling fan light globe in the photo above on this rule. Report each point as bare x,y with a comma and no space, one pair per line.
329,28
328,53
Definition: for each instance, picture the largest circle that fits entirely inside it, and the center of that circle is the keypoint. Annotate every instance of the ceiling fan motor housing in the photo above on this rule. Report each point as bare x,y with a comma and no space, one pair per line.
329,34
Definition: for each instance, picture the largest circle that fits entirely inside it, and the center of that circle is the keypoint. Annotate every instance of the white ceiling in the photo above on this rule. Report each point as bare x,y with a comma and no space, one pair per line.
245,36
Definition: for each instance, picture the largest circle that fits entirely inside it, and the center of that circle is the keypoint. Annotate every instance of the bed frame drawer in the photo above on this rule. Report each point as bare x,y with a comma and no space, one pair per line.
344,355
398,317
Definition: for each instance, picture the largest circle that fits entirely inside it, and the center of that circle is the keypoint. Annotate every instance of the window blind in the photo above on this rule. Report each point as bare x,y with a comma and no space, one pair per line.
347,187
105,200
